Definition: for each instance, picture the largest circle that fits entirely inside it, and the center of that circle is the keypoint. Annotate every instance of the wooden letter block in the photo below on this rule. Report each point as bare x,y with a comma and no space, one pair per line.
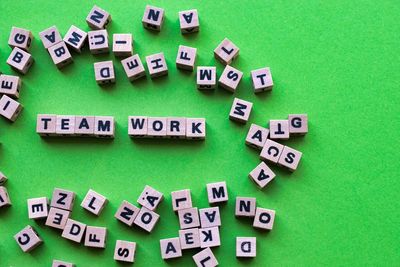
124,251
156,127
205,258
226,52
262,80
298,124
189,238
104,72
189,21
230,78
186,58
196,128
10,85
181,199
153,18
246,247
65,125
84,125
60,55
279,129
3,178
98,42
20,60
170,248
95,237
264,219
98,18
240,110
271,151
104,126
176,127
209,237
245,206
74,230
137,126
146,219
28,239
50,37
57,218
189,218
20,38
127,213
133,67
206,78
122,44
150,198
38,208
257,136
157,65
290,158
217,192
4,197
94,202
75,38
210,217
62,199
57,263
9,108
262,175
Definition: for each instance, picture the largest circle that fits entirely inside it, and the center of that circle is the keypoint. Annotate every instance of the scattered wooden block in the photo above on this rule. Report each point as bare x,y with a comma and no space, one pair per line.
127,213
271,151
153,18
10,85
38,208
150,198
63,199
104,126
257,136
124,251
84,125
4,197
290,158
65,125
94,202
98,42
157,65
226,52
133,67
195,128
46,124
98,18
57,263
75,38
3,178
230,78
262,175
279,129
74,230
21,38
245,206
157,127
176,127
104,72
50,36
206,78
189,238
205,258
246,247
122,44
28,239
170,248
181,199
262,80
95,237
146,219
189,21
264,219
298,124
188,218
209,217
20,60
209,237
57,218
9,108
60,55
186,58
217,192
137,126
240,110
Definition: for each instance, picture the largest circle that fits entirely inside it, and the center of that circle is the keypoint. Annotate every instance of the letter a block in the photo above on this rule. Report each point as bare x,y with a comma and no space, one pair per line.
226,52
9,108
104,72
217,192
262,175
257,136
189,21
150,198
230,78
98,18
60,55
153,18
20,60
240,110
246,247
124,251
94,202
38,208
205,258
262,80
170,248
28,239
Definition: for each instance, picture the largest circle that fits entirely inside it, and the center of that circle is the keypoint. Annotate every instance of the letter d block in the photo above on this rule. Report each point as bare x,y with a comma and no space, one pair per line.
104,72
20,60
60,55
28,239
246,247
240,110
38,208
74,230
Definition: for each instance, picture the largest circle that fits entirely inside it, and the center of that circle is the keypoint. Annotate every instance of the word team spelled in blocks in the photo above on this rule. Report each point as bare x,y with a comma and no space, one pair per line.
205,258
206,78
209,217
133,67
240,110
146,219
150,198
230,78
209,237
157,65
98,18
58,263
127,213
279,129
94,202
20,60
95,237
245,206
186,57
62,199
189,218
189,238
57,218
60,55
262,80
189,21
289,158
28,239
74,230
170,248
153,18
21,38
264,219
98,42
298,124
104,72
226,51
217,192
246,247
257,136
10,85
75,38
262,175
9,108
50,36
124,251
122,44
38,208
4,197
181,199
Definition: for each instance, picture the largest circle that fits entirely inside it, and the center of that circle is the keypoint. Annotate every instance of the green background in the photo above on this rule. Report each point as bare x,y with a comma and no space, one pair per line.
337,61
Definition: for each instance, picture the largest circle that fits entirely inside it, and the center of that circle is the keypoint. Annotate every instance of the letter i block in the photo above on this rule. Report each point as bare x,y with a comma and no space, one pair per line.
74,230
104,126
189,21
217,192
262,175
279,129
240,110
157,65
20,60
206,78
98,42
9,108
150,198
95,237
226,52
122,45
10,85
60,55
28,239
264,219
257,136
20,38
98,18
298,124
124,251
262,80
186,58
133,67
94,202
153,18
50,37
205,258
38,208
104,72
170,248
246,247
230,78
4,197
196,128
126,213
58,263
75,38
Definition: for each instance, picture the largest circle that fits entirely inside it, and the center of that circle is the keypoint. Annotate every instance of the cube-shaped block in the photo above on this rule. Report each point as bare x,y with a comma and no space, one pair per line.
240,110
157,65
124,251
176,127
196,128
189,238
153,18
170,248
38,208
65,125
290,158
122,44
104,72
217,192
28,239
206,78
98,18
271,151
262,80
146,219
4,197
181,199
94,202
9,108
3,178
10,85
279,129
21,38
230,78
104,126
246,247
157,127
137,126
205,258
50,37
127,213
264,219
226,51
150,198
209,237
20,60
245,206
189,218
57,218
257,136
74,230
58,263
75,38
210,217
60,55
186,57
62,199
84,125
95,237
133,67
98,42
262,175
298,124
189,21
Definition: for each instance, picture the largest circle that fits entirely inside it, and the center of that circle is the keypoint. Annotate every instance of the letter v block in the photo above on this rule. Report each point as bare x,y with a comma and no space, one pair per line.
150,198
240,110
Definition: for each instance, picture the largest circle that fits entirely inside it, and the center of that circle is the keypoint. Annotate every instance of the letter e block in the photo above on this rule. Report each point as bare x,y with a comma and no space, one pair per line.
38,208
133,67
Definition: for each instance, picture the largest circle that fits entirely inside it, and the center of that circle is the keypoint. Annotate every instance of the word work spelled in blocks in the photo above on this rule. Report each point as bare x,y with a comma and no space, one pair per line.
133,67
98,42
246,247
189,238
157,65
157,127
240,110
181,199
38,208
10,85
298,124
209,217
122,44
262,175
209,237
150,198
279,129
60,55
98,18
9,108
74,230
50,37
58,263
20,60
205,258
3,178
62,199
146,219
57,218
226,51
28,239
189,21
4,197
264,219
124,251
75,38
217,192
104,72
230,78
127,213
271,151
94,202
153,18
95,237
189,218
186,58
206,78
257,136
20,38
196,128
170,248
245,206
290,158
262,80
